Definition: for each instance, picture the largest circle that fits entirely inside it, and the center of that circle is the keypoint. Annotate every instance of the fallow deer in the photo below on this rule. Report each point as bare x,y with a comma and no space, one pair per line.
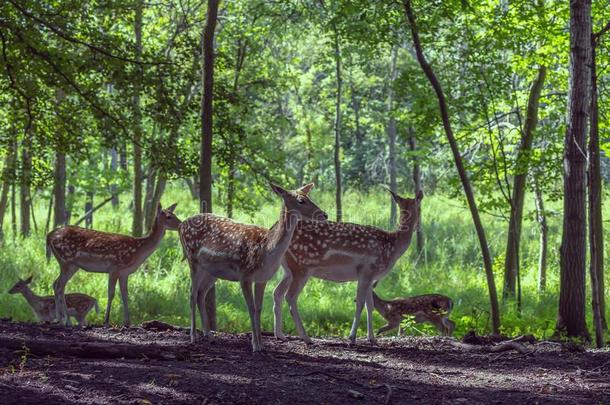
79,305
433,308
343,252
100,252
217,247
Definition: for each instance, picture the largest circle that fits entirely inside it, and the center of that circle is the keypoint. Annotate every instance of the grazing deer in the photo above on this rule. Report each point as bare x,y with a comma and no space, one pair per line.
343,252
100,252
217,247
79,305
433,308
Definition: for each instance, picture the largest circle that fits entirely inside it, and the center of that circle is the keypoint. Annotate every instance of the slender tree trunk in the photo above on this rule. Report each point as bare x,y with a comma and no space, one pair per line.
571,316
8,175
416,186
205,167
392,136
149,208
511,263
89,210
541,218
156,198
338,192
47,223
596,231
231,186
70,202
24,192
137,134
31,200
14,210
491,285
113,186
59,191
359,158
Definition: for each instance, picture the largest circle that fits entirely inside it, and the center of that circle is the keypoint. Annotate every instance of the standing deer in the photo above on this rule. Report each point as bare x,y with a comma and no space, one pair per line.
217,247
100,252
343,252
433,308
79,305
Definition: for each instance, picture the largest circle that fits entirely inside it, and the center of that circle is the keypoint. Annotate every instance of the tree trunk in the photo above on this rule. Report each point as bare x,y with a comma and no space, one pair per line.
596,232
113,186
59,191
338,192
491,285
417,187
70,202
541,218
149,209
156,199
511,263
8,174
205,167
89,210
231,186
571,316
24,192
14,210
392,136
137,134
47,223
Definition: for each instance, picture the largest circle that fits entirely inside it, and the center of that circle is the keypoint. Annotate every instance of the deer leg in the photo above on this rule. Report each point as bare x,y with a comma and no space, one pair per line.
278,296
389,326
125,298
112,279
246,288
59,287
292,296
196,277
369,315
204,286
259,294
361,293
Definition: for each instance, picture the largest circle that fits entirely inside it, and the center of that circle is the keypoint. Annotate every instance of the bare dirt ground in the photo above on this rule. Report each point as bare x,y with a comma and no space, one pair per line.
162,367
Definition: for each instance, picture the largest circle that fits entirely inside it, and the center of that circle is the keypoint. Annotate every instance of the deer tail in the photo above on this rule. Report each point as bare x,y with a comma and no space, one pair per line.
96,306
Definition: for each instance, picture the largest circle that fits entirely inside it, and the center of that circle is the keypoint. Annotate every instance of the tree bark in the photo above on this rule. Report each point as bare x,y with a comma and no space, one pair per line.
207,110
571,315
392,136
337,154
89,210
24,189
511,263
231,186
8,174
149,209
137,135
416,187
544,238
457,157
113,169
59,191
596,231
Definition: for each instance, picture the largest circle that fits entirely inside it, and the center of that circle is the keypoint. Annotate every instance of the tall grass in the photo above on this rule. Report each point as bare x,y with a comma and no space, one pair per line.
450,264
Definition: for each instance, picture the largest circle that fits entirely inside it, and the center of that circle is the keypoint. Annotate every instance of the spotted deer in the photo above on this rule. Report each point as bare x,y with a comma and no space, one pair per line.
100,252
79,305
217,247
342,252
433,308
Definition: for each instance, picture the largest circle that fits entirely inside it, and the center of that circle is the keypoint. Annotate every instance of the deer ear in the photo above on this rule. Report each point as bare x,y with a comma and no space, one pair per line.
159,208
278,190
420,195
172,207
306,188
395,196
29,279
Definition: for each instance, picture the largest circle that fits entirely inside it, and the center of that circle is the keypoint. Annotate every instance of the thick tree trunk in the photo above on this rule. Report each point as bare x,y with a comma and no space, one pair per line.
59,191
205,167
8,174
571,316
544,238
511,263
392,136
416,187
24,191
338,192
596,230
491,285
137,134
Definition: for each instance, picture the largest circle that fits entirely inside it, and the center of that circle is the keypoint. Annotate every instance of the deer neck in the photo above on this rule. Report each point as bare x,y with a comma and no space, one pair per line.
152,240
379,304
30,297
280,235
406,226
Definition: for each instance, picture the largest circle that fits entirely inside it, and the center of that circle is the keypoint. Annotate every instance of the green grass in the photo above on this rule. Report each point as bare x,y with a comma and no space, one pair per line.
450,264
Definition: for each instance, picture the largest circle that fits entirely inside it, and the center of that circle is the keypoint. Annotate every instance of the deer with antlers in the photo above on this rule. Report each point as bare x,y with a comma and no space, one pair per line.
101,252
217,247
342,252
433,308
78,304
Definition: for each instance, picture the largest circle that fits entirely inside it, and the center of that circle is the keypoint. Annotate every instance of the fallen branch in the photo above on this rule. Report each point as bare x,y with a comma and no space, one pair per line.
509,345
160,326
92,210
97,350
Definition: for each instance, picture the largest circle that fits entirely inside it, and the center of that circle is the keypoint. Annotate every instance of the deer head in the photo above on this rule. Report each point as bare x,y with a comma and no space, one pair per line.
20,286
166,217
298,202
409,207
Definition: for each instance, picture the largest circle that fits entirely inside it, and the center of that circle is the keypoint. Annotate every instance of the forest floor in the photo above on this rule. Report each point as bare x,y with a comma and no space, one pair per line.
52,364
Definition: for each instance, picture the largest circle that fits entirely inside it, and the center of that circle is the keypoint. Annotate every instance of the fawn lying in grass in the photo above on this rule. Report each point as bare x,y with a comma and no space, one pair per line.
433,308
79,305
